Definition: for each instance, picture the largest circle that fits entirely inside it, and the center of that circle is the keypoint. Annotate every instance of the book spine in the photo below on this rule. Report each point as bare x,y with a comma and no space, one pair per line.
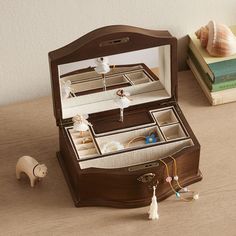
213,87
199,57
200,81
215,98
224,85
225,78
221,70
205,77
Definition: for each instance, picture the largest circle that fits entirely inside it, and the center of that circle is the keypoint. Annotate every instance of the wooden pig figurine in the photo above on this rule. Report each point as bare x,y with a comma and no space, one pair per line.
32,168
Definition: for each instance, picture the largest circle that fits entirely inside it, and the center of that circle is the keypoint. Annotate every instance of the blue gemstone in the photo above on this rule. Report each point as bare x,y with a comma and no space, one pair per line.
151,139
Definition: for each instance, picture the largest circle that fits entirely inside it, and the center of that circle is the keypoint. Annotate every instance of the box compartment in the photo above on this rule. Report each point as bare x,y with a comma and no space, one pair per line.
130,139
110,123
84,144
165,117
138,156
172,132
138,77
96,85
113,179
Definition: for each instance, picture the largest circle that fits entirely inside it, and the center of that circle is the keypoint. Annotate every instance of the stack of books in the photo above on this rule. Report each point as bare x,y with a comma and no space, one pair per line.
215,75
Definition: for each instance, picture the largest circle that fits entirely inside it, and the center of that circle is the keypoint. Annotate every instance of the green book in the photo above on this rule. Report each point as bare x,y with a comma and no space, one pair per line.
218,68
215,98
213,87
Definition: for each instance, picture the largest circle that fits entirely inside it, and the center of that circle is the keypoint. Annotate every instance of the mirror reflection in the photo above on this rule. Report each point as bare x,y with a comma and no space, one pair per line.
138,73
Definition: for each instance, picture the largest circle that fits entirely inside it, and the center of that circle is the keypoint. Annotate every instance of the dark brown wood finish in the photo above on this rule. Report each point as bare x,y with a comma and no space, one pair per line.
108,123
119,187
89,46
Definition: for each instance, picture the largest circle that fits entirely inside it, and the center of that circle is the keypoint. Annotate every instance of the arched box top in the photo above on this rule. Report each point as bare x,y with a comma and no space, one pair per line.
105,41
110,40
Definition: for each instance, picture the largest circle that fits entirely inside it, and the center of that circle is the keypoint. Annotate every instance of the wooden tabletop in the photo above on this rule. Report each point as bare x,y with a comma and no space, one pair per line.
29,129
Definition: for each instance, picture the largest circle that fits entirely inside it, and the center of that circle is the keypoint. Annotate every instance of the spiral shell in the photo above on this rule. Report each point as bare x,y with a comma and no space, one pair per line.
218,39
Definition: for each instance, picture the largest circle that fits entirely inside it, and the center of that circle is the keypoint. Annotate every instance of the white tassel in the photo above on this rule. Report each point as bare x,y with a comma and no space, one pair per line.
153,211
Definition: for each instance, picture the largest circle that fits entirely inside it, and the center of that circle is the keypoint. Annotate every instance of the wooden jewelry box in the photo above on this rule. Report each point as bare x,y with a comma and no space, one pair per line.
117,163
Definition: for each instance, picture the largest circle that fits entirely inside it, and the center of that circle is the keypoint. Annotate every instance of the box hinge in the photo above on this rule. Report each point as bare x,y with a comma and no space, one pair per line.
169,102
64,122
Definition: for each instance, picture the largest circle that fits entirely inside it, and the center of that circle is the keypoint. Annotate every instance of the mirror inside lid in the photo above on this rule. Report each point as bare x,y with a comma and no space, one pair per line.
143,71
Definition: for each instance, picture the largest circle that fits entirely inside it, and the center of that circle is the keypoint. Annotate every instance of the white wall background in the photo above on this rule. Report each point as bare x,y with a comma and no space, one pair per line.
29,29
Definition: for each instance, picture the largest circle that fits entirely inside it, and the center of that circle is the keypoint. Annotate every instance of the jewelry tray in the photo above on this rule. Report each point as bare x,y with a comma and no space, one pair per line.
87,81
166,123
143,64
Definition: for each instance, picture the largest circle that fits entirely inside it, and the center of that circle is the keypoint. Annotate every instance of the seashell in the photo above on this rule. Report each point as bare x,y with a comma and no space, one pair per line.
202,35
218,39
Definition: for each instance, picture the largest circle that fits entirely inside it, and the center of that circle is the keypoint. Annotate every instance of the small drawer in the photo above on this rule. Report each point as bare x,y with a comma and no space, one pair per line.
138,77
88,85
165,117
116,80
173,132
141,81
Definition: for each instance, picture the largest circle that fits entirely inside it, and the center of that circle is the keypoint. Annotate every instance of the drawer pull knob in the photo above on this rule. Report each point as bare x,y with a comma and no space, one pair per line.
146,178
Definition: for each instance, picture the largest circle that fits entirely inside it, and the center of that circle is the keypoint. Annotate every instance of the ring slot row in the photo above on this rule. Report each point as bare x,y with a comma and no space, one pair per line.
168,128
84,144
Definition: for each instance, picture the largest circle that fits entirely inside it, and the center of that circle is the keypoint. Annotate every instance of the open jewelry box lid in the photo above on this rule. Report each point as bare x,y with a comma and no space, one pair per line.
108,42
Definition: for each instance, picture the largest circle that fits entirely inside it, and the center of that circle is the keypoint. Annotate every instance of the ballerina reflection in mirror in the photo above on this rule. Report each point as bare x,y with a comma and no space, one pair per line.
81,124
102,68
66,89
122,101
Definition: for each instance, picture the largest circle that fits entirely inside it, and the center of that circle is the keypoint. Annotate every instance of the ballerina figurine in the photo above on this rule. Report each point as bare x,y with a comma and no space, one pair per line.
66,89
122,101
102,68
81,124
